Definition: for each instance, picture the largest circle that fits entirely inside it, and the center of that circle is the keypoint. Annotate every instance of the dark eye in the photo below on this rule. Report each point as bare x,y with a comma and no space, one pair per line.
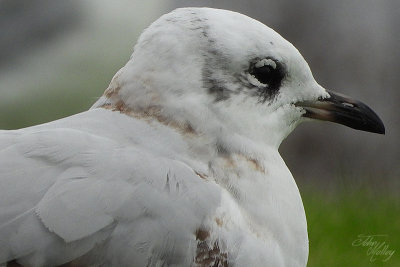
266,73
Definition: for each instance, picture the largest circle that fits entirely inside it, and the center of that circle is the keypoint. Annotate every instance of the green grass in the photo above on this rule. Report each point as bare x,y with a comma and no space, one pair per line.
335,221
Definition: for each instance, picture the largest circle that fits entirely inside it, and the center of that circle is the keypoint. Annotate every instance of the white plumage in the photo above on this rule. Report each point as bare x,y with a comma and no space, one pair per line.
175,165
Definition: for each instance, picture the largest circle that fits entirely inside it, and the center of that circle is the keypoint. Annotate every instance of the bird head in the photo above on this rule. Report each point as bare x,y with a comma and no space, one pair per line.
218,70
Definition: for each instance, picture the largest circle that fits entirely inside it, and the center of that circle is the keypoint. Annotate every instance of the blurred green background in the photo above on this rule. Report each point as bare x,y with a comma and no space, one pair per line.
58,56
336,221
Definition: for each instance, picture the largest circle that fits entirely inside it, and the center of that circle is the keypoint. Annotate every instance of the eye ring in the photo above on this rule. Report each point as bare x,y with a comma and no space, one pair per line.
266,73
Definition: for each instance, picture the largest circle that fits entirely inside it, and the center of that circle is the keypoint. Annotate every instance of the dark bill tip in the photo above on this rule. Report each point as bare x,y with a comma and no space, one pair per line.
344,110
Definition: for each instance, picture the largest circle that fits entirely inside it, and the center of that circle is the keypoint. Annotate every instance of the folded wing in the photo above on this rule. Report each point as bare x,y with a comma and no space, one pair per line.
64,191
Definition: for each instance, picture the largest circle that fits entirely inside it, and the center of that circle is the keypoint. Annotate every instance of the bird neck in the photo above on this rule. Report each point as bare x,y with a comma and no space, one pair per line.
251,173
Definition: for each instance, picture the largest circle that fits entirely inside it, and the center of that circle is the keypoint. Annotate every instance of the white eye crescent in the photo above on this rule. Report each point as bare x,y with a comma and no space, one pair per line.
265,62
254,81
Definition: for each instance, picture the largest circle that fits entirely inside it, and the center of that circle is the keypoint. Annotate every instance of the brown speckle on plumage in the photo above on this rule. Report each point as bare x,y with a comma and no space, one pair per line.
255,165
219,221
208,254
149,113
201,175
112,91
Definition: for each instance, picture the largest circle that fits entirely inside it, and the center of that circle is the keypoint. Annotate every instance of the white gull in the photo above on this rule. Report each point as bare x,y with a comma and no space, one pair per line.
177,164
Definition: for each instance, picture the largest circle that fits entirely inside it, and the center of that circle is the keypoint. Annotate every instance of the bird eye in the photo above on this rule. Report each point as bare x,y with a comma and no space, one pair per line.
266,73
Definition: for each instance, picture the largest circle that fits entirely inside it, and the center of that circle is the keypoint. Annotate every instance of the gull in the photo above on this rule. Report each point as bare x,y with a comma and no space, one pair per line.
177,164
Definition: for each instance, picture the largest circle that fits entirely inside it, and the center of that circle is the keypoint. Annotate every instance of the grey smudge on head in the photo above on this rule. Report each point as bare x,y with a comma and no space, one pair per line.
217,78
215,61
